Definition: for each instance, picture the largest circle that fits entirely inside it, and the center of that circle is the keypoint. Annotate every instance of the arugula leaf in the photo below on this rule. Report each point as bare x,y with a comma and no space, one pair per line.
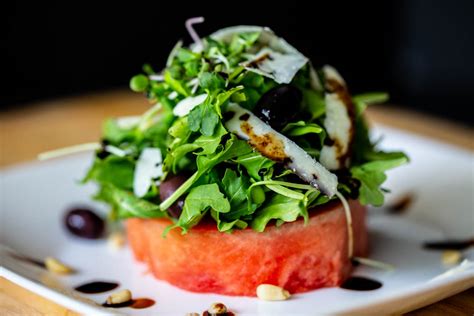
362,100
315,103
174,158
185,55
236,190
114,170
301,128
210,119
251,98
223,97
203,118
180,128
176,84
372,175
192,68
362,144
179,146
211,81
279,207
382,155
252,80
255,164
113,133
198,201
226,226
233,148
157,132
127,205
195,118
209,144
372,97
286,192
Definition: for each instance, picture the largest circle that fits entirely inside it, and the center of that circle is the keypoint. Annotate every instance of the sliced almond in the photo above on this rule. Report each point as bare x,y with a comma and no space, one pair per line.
269,292
193,314
56,266
451,257
119,297
116,240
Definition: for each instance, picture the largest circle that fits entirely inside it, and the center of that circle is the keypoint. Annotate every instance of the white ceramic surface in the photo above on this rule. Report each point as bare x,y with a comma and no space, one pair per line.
34,197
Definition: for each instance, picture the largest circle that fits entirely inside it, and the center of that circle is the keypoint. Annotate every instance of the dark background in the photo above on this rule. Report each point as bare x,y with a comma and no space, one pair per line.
419,51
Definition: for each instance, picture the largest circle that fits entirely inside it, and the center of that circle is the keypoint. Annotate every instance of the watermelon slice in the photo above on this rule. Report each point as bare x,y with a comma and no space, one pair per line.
295,256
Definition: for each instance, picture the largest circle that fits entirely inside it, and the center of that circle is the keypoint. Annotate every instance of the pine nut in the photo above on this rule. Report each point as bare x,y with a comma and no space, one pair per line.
116,240
56,266
269,292
451,257
119,297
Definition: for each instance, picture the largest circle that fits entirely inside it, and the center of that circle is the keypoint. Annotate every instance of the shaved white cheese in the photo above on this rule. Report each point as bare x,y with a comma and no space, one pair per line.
226,34
295,157
194,84
127,122
215,53
156,77
149,166
188,104
329,157
338,121
173,95
338,125
331,73
280,67
276,59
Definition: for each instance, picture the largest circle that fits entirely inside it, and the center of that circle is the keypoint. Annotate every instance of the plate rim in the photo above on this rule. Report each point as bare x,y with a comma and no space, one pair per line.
52,294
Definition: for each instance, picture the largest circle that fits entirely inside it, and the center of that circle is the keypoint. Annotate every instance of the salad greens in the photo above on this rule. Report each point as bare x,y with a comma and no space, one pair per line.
228,179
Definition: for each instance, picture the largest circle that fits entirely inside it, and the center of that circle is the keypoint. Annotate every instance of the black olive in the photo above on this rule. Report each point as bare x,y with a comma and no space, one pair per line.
279,105
167,188
84,223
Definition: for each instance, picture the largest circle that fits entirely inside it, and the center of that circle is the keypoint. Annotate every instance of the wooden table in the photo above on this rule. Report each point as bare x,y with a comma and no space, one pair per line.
35,128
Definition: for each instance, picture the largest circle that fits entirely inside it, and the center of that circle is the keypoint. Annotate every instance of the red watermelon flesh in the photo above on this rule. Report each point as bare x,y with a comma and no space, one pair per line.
295,256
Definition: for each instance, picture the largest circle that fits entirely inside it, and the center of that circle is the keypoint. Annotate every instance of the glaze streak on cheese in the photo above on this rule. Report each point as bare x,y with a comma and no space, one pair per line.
343,155
267,144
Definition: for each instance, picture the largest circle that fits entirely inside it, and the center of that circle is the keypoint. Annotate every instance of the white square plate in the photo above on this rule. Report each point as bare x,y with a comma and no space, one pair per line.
35,196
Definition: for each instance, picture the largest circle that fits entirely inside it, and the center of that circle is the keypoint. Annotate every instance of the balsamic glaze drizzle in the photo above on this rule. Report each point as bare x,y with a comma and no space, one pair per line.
138,303
96,287
356,283
449,244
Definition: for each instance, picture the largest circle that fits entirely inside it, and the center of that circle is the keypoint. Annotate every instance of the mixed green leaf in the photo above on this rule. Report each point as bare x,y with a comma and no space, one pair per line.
228,181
